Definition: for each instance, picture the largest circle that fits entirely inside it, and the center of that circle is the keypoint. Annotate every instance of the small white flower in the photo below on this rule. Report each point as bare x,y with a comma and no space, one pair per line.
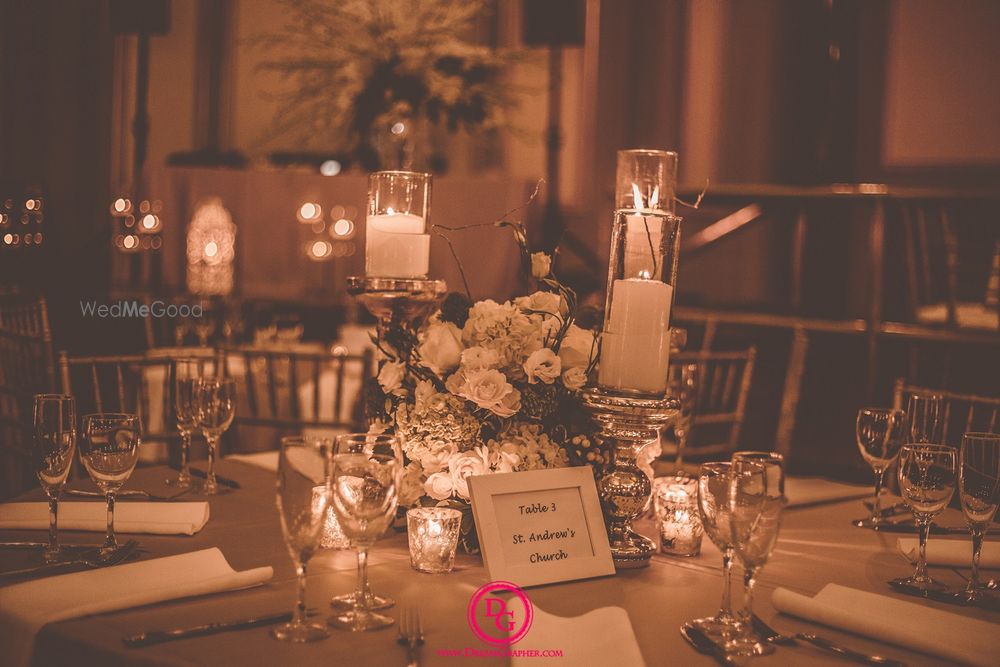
542,366
574,378
478,357
441,349
390,377
439,486
541,264
464,465
577,347
489,389
436,455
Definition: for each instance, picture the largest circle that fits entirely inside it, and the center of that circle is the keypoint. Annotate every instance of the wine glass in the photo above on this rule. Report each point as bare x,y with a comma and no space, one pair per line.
109,450
880,434
303,492
979,491
924,412
716,507
52,455
364,482
215,399
186,375
927,483
754,552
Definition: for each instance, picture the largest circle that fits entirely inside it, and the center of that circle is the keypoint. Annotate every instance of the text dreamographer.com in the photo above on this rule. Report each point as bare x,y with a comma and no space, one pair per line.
128,309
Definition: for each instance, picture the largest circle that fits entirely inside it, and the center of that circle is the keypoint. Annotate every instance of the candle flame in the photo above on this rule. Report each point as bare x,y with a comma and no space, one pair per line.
654,198
389,211
644,275
637,198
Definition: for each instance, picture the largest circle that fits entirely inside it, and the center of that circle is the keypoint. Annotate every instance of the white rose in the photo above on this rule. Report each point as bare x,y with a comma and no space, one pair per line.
441,350
505,458
541,264
439,486
390,377
577,347
542,366
435,456
542,302
488,389
464,465
422,394
574,378
478,357
411,485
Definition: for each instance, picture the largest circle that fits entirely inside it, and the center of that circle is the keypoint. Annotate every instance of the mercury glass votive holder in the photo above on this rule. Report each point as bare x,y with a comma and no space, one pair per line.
333,536
676,502
433,537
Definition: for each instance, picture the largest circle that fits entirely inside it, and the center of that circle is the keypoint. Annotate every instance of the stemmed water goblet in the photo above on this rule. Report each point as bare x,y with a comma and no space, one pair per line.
215,399
880,434
186,376
726,490
109,450
52,456
979,492
754,552
364,495
303,491
927,483
924,414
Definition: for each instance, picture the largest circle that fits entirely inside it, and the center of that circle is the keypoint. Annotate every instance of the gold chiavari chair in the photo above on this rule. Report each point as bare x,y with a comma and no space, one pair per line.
960,413
290,390
26,368
721,383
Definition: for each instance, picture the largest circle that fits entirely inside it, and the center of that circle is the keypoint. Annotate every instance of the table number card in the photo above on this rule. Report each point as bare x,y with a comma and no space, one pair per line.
541,527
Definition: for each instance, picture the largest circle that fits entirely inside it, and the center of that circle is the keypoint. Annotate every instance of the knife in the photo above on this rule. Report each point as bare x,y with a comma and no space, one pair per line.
201,474
983,602
160,636
704,644
907,527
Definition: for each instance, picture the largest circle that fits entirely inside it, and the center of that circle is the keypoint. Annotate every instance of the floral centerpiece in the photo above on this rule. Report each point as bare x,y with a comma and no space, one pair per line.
488,387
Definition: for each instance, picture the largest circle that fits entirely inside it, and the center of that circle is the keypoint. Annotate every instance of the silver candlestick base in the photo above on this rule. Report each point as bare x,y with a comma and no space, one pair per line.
628,423
397,302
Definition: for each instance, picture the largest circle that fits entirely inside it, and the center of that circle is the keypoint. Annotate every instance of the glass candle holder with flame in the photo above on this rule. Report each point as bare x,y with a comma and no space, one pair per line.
433,537
676,502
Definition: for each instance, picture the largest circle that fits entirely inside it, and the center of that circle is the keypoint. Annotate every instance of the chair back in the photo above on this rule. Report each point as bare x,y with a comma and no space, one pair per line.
960,413
26,368
721,384
291,390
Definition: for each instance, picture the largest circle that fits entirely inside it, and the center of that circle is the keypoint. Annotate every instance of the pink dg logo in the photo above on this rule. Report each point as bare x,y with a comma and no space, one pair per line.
500,613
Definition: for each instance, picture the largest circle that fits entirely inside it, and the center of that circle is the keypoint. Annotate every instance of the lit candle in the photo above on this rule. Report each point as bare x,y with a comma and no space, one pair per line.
396,246
677,515
433,536
635,346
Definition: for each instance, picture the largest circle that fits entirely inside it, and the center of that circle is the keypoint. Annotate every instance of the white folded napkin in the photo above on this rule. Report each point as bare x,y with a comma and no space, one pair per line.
802,491
265,460
601,637
26,607
956,553
908,624
174,518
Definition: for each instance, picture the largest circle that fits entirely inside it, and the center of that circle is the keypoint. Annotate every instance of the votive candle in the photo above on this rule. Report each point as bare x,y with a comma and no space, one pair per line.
433,536
677,516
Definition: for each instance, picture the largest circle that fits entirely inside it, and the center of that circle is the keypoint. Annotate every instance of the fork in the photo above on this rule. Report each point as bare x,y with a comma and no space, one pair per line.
127,493
117,556
411,634
772,636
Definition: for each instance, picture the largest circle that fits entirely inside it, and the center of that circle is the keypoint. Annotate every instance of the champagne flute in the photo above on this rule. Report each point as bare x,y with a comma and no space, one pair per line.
718,505
109,450
924,412
754,552
216,406
52,456
365,478
979,491
880,434
186,375
927,483
303,491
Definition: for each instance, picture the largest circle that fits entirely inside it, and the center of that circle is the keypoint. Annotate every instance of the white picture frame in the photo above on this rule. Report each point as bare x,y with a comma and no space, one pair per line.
556,513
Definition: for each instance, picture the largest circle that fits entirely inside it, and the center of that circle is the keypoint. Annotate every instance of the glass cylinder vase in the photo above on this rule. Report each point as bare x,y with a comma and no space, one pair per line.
399,208
642,273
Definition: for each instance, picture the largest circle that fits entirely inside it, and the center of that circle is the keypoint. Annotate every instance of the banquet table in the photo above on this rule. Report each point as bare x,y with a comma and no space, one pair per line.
817,546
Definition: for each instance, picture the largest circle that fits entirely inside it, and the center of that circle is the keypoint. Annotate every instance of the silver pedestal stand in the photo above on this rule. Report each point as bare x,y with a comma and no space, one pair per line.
628,422
397,302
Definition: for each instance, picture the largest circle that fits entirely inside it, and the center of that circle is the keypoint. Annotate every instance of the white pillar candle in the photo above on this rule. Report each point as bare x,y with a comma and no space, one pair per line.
643,236
396,246
635,346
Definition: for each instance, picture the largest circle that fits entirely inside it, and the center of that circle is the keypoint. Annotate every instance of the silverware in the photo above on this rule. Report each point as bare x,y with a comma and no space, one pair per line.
772,636
898,508
411,634
117,556
223,481
704,644
949,597
42,545
126,493
907,526
159,636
